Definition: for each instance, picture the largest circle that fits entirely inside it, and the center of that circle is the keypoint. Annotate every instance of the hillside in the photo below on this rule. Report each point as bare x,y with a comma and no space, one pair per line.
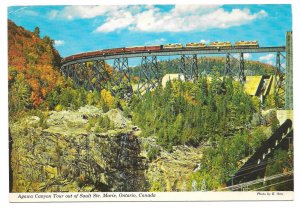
35,82
33,63
208,63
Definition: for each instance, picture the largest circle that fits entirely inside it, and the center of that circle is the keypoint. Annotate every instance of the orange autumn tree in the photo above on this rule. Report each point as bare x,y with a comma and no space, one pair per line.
35,58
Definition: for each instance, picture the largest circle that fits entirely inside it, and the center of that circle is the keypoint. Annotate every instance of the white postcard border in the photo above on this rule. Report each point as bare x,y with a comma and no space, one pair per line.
150,196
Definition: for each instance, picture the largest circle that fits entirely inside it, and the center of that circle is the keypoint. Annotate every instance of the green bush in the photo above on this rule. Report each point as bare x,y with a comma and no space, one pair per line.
43,119
58,107
153,153
88,127
98,129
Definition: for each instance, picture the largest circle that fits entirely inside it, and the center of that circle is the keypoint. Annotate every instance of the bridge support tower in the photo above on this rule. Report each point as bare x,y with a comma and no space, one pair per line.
149,74
279,80
242,77
289,71
228,71
121,77
235,67
99,75
188,67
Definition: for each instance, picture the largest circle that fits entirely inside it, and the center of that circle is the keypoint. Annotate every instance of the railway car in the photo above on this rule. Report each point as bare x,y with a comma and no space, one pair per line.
247,44
66,59
173,46
77,56
135,49
153,48
94,53
117,50
195,45
105,51
219,44
113,51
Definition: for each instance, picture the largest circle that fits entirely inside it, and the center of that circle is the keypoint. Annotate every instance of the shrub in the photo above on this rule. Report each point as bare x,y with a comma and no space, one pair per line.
59,107
153,153
88,127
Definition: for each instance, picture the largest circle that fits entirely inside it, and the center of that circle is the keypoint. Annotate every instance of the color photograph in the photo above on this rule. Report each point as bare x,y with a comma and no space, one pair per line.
130,102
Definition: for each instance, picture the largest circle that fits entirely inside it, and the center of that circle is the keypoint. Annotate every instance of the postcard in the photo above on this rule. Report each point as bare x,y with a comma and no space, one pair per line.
150,102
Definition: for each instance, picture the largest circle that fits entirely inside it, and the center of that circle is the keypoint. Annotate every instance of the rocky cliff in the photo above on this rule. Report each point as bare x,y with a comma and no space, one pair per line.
63,152
65,156
170,171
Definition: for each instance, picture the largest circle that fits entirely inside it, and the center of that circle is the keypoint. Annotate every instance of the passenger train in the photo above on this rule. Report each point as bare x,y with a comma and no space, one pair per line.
159,48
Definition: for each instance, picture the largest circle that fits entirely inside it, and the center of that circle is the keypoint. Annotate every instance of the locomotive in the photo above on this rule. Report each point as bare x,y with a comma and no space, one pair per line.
195,45
219,44
172,46
246,44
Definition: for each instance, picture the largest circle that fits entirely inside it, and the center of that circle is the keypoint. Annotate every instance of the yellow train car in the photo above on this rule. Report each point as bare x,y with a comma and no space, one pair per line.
173,46
246,44
195,45
219,44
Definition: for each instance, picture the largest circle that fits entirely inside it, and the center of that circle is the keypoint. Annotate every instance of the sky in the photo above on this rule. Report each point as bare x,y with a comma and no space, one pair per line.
78,29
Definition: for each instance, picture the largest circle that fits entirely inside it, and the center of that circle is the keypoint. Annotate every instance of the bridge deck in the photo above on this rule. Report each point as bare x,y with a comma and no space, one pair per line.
183,51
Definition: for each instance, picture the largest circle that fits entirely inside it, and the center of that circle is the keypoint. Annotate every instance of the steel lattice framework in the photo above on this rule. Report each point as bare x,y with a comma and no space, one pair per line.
289,72
279,88
91,72
149,74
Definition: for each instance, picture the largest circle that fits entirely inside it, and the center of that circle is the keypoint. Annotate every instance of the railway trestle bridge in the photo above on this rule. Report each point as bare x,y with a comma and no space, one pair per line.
90,71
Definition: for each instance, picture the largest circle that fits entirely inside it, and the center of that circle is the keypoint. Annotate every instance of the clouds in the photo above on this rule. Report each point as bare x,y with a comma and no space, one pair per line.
85,12
247,56
269,59
156,41
59,42
24,11
119,21
183,18
180,18
204,41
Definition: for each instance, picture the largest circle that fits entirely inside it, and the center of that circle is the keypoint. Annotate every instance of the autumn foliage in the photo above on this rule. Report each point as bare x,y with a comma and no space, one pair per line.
35,58
35,82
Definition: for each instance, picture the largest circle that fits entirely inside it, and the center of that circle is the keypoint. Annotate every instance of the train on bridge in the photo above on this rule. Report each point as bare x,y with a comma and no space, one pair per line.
166,47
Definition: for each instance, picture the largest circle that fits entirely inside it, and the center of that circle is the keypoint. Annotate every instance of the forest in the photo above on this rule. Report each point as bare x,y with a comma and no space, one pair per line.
207,63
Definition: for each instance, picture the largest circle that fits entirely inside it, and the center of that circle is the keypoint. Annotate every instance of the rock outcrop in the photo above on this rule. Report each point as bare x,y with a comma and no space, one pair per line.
65,157
170,171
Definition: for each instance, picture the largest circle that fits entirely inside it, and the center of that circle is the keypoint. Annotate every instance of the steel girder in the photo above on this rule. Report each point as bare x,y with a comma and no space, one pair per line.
64,70
121,65
188,67
235,68
228,71
289,72
279,82
194,67
242,77
149,74
182,68
121,76
91,75
103,75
